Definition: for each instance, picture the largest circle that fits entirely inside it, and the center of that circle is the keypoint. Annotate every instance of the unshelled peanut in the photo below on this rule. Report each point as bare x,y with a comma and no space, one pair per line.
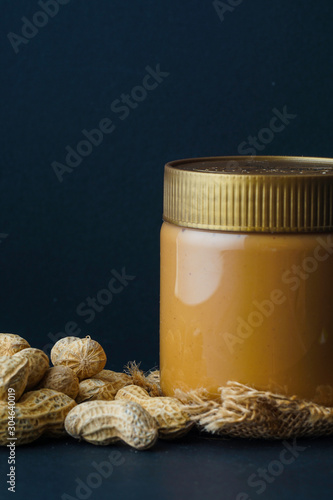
37,412
14,372
105,422
117,379
59,346
62,379
38,364
11,343
172,420
85,357
92,389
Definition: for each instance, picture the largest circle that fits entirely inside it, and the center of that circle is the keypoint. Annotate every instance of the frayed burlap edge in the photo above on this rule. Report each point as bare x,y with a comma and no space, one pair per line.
242,411
246,412
150,381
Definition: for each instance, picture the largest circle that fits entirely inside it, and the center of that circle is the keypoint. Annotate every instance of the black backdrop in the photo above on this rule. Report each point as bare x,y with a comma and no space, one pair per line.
197,78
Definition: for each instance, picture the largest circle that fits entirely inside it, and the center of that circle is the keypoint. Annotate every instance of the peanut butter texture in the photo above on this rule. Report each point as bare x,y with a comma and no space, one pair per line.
254,308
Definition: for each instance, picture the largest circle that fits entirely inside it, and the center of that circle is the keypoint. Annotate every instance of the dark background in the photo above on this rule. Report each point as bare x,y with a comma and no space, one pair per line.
226,76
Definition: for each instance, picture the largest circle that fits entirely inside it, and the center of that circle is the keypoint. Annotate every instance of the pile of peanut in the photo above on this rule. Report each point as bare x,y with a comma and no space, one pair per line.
77,396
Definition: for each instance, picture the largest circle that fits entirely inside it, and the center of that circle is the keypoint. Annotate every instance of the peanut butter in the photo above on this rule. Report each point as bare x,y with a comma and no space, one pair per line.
253,306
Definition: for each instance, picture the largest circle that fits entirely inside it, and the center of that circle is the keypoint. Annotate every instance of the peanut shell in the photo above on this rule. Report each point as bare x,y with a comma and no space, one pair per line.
37,412
85,357
11,343
62,379
172,420
14,372
91,389
117,379
38,364
59,346
106,422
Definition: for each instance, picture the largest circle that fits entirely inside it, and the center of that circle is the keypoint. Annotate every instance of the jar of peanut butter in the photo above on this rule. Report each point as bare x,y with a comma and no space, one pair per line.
247,275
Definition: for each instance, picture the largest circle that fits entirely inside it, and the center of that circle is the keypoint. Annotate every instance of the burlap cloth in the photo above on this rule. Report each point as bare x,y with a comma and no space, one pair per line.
241,411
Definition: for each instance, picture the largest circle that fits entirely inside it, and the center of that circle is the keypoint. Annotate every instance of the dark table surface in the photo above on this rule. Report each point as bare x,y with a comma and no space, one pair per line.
196,467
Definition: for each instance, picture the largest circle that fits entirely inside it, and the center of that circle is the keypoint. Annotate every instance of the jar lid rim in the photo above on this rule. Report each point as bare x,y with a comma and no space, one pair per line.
244,193
256,165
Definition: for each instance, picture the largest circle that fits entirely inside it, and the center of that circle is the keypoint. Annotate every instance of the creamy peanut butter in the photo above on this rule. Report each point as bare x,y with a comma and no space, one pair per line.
253,307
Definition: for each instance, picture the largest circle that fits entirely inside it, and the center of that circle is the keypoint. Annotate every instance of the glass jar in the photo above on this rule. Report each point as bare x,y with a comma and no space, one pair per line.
247,275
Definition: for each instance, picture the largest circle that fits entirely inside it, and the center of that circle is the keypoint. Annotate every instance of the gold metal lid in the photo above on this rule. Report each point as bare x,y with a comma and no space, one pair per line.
250,193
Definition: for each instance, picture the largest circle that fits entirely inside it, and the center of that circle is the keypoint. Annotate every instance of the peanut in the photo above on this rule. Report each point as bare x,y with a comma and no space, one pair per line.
11,343
59,346
38,364
169,413
105,422
117,379
91,389
85,357
62,379
37,412
14,372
